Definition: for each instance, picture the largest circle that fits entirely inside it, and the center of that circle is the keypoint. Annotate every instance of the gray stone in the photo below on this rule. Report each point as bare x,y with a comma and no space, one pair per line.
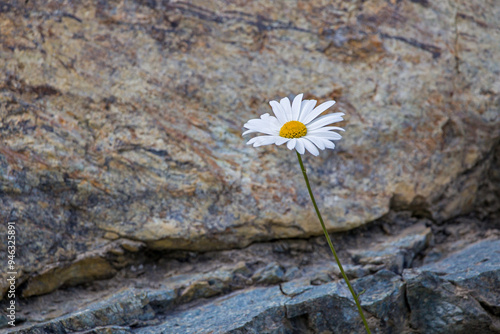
384,296
109,330
355,271
259,308
455,295
271,273
438,306
209,284
4,321
291,273
298,307
458,294
121,309
396,253
328,307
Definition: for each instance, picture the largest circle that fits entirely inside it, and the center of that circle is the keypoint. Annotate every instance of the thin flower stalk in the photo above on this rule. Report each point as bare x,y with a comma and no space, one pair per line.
354,295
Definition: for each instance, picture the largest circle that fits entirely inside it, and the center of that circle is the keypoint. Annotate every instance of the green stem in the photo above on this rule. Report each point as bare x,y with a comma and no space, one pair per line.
360,310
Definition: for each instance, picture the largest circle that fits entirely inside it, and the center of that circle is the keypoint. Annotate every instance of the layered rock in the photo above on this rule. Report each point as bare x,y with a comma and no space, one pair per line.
122,121
457,294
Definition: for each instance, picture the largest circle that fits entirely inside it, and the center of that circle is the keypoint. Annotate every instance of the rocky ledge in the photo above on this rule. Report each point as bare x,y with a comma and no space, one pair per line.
433,279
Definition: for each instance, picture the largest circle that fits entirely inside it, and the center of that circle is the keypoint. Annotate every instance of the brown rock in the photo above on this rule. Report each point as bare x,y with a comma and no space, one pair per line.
78,272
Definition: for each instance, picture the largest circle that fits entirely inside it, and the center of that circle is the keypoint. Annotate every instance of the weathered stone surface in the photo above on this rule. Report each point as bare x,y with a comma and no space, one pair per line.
85,267
210,284
458,294
121,309
295,307
321,308
442,307
272,273
396,253
261,308
123,120
383,295
134,307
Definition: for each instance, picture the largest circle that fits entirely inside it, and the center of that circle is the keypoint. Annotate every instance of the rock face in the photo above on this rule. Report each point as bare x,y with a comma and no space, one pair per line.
459,292
397,253
121,122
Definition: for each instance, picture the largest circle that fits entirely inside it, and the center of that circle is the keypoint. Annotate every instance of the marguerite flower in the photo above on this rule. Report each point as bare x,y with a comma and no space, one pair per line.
297,125
300,127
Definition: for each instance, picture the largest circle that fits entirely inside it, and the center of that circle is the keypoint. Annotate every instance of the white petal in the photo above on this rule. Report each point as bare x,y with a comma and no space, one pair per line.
279,112
327,128
325,120
322,143
317,111
307,107
249,131
252,140
300,145
285,104
291,144
271,120
263,128
310,147
328,135
263,140
266,124
316,141
281,140
329,144
297,102
322,133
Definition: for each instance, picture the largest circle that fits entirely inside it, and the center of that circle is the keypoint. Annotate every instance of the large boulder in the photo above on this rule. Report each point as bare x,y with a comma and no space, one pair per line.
122,121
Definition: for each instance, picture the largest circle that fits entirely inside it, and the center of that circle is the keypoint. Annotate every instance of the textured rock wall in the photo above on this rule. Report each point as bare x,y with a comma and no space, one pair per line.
121,122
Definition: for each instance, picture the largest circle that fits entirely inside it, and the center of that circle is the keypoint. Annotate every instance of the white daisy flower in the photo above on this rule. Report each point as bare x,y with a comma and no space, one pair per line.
297,125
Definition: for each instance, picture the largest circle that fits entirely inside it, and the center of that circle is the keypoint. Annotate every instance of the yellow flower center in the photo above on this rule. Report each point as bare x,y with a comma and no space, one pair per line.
293,129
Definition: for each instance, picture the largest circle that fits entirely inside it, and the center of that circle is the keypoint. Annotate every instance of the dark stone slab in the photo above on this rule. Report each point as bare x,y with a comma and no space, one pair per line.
459,294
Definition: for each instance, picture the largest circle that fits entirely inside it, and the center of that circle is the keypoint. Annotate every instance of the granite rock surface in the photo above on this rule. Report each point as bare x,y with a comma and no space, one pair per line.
121,122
